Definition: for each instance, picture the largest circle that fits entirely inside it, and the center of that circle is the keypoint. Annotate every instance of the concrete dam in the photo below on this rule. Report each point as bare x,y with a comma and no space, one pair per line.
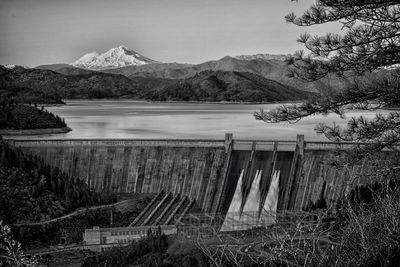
206,171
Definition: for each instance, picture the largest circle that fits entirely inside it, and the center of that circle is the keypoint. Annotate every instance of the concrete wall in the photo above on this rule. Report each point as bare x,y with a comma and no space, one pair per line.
204,170
189,168
316,178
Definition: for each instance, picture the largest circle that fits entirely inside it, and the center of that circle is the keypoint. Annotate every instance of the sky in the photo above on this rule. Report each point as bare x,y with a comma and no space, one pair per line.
35,32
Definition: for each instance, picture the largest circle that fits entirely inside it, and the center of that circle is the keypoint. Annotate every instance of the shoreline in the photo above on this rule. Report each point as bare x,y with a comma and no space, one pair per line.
181,102
35,131
199,102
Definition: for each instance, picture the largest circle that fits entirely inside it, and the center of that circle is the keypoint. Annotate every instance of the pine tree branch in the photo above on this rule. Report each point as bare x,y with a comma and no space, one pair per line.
372,38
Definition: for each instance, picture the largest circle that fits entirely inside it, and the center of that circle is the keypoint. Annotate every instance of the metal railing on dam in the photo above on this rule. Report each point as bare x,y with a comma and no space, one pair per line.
118,142
238,144
204,170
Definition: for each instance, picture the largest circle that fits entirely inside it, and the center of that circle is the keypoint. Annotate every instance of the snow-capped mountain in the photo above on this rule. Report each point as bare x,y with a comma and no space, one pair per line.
9,66
12,66
263,56
116,57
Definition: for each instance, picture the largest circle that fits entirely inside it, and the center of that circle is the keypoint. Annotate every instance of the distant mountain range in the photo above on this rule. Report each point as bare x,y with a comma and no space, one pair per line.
121,60
121,72
47,86
122,56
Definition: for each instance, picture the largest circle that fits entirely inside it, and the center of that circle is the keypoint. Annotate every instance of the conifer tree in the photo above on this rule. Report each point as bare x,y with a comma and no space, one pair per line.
367,52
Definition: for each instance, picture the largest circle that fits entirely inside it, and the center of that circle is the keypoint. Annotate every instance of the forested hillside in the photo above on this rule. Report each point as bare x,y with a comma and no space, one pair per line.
217,86
47,86
31,190
16,116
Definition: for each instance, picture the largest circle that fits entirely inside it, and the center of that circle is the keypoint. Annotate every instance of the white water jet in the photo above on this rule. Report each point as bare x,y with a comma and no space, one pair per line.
249,215
253,199
234,207
268,214
235,220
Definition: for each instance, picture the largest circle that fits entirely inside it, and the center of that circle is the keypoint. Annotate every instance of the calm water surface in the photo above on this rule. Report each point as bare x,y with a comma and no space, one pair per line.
137,120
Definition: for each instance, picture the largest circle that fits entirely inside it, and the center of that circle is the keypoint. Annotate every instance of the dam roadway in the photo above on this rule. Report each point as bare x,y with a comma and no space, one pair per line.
206,171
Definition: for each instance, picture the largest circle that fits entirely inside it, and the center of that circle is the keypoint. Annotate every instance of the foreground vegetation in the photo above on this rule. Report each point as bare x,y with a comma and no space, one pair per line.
14,116
368,232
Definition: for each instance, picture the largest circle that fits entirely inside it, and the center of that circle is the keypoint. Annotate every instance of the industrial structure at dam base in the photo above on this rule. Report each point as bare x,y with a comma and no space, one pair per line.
231,178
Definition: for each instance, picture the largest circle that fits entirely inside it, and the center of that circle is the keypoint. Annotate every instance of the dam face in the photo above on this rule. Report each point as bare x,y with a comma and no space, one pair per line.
192,169
206,171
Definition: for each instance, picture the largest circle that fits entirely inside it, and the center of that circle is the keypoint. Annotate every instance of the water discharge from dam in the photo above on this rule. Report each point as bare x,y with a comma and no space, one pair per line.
253,199
268,213
237,196
271,201
234,207
237,219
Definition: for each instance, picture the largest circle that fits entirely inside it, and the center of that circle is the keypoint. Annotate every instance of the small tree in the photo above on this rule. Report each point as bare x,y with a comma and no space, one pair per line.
14,255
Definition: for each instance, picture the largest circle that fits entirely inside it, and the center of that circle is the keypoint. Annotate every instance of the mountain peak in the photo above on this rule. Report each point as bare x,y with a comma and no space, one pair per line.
116,57
123,48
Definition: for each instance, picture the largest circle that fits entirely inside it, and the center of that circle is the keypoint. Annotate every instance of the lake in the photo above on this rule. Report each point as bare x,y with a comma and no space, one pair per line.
147,120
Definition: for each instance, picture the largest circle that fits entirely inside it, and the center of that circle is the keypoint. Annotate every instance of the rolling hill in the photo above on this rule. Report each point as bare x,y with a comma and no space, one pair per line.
214,86
46,86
